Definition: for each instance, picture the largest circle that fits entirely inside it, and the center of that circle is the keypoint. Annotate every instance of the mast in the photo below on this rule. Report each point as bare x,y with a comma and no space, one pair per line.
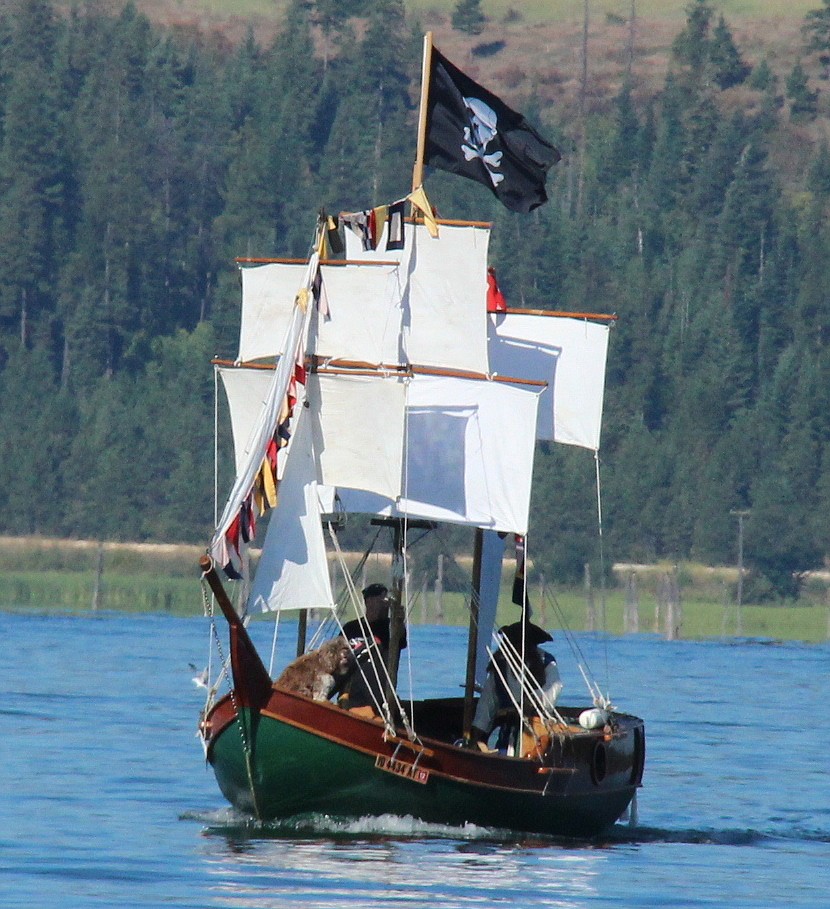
418,170
472,636
397,605
397,617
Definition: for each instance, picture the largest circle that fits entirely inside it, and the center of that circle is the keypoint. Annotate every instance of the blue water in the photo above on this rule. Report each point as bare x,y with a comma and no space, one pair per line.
105,799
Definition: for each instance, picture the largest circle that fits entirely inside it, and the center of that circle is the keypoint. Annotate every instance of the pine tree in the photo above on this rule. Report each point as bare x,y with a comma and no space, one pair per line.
816,31
370,147
467,16
691,47
728,68
803,100
34,173
762,76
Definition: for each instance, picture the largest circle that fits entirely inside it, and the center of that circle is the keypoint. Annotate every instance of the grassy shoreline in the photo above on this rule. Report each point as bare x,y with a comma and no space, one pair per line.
60,576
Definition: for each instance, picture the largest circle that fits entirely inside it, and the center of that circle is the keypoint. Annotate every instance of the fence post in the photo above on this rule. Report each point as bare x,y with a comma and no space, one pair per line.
97,590
632,605
439,591
591,618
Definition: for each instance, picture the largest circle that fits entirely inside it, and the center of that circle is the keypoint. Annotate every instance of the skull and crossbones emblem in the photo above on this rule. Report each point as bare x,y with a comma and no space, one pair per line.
477,136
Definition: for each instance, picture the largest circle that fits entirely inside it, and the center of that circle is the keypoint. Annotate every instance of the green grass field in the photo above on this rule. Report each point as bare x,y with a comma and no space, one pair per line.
47,576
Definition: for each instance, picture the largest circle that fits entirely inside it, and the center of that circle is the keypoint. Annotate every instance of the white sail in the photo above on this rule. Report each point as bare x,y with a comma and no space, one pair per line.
293,568
448,299
357,424
569,354
364,306
445,307
265,426
359,430
246,391
365,314
268,293
469,454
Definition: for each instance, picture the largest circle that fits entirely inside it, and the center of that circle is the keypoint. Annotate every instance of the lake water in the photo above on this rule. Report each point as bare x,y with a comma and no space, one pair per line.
105,799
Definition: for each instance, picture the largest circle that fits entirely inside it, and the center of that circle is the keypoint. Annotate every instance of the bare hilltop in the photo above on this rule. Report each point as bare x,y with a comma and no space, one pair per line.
535,44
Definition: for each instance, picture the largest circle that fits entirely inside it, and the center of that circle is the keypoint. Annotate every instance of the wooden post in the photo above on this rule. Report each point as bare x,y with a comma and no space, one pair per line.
591,618
660,602
99,574
439,591
725,600
631,624
739,630
671,594
678,605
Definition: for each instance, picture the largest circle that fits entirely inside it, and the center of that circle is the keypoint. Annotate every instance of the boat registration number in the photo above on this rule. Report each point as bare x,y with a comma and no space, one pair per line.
402,768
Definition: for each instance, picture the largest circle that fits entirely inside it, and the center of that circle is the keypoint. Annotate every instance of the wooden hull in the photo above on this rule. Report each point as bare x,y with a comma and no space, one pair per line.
295,756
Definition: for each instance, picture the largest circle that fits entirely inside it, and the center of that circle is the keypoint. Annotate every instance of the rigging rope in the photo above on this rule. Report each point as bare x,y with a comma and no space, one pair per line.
378,665
274,643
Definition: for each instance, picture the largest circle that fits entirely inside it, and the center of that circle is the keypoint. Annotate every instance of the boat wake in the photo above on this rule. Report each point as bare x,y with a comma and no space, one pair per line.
726,837
227,822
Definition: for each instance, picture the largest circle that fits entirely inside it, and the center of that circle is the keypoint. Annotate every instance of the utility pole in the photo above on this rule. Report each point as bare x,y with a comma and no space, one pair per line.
740,515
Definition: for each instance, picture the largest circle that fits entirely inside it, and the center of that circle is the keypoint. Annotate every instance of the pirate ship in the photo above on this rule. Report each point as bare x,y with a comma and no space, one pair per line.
379,383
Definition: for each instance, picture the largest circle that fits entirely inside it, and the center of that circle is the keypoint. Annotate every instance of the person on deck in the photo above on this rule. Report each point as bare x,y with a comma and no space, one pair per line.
496,707
365,686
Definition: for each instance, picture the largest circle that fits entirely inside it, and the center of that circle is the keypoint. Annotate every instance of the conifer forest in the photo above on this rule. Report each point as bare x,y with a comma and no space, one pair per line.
137,161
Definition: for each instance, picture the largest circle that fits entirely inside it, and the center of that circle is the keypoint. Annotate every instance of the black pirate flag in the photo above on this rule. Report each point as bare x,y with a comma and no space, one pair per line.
473,133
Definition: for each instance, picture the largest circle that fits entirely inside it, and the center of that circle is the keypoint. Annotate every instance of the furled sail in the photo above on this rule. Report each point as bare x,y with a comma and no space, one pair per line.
569,354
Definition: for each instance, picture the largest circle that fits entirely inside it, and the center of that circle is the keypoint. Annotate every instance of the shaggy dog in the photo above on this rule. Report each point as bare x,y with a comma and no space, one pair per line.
317,674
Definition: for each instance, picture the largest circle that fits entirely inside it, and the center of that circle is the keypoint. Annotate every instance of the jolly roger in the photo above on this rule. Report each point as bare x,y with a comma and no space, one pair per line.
481,132
473,133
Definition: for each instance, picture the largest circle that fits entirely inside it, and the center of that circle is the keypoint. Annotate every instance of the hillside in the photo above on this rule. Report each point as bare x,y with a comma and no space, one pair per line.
540,48
542,38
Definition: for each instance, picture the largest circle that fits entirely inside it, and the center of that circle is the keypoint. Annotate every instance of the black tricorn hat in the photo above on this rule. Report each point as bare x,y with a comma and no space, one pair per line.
533,634
375,590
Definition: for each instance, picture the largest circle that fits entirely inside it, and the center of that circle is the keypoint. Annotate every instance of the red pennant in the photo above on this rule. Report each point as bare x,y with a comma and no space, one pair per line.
495,298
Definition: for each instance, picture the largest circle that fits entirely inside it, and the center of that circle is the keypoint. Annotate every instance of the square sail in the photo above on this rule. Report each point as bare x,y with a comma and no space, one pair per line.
567,353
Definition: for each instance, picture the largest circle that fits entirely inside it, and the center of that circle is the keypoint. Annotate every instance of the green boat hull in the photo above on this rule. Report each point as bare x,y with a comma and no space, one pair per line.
297,757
